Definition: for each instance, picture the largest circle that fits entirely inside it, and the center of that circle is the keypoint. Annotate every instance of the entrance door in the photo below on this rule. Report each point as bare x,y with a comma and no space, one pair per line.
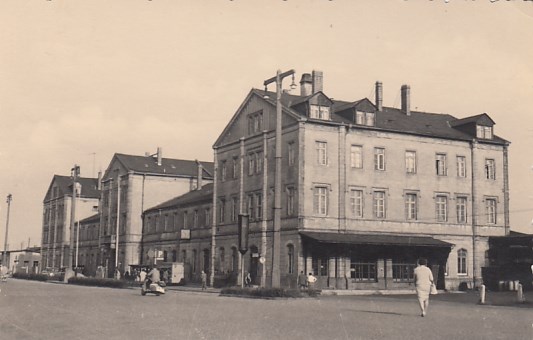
254,264
320,270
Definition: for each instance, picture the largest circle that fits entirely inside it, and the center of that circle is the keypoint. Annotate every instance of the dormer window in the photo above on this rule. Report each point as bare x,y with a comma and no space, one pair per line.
365,118
319,112
484,132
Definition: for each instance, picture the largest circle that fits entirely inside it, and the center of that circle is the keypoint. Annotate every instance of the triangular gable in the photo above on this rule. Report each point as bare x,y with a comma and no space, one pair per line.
365,105
481,119
115,163
254,103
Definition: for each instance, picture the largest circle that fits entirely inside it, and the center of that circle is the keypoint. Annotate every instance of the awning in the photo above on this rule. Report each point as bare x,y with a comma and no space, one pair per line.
375,239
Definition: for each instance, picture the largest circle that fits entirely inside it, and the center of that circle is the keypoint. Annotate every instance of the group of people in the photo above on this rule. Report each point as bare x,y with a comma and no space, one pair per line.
306,281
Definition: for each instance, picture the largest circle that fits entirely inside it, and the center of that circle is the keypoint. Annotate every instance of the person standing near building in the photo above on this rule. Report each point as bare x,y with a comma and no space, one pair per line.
423,281
203,276
302,280
311,279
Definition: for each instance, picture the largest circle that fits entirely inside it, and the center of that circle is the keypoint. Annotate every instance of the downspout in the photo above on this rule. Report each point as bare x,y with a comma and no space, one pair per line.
265,209
506,188
474,209
214,221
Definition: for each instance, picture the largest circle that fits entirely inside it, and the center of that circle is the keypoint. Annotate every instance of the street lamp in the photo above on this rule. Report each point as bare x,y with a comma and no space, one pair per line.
4,256
276,278
75,172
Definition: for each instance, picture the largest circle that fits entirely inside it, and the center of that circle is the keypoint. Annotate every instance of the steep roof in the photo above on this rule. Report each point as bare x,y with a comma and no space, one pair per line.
393,119
89,187
169,166
91,219
195,196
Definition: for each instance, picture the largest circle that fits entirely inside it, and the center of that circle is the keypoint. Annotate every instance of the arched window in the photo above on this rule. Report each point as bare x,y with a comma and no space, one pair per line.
462,262
184,256
205,263
290,259
165,256
174,256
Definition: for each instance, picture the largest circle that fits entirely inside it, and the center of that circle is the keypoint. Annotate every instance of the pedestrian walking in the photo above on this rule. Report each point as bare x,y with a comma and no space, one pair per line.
423,281
203,276
247,280
302,280
311,279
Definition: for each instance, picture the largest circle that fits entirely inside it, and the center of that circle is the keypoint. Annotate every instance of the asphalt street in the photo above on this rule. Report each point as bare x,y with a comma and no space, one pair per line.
36,310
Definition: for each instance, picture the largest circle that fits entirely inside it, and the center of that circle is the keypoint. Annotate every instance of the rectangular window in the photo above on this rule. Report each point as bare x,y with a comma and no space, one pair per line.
461,166
461,209
251,164
359,118
411,206
165,223
195,219
403,271
370,119
320,200
255,122
235,167
259,206
491,210
462,268
379,159
356,202
290,200
490,169
234,209
488,132
480,132
441,208
207,213
259,162
291,153
223,171
322,152
222,210
356,156
185,218
410,162
440,164
319,112
379,204
363,271
250,206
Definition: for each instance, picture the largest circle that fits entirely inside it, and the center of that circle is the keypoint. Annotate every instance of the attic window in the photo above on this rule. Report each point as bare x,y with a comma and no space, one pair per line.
319,112
484,132
365,118
255,122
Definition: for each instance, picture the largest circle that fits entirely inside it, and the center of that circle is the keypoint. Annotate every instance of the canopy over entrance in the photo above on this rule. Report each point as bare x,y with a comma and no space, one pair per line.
375,239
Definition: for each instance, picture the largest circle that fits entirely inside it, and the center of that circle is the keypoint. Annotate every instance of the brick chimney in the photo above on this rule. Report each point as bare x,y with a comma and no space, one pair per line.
306,85
317,81
379,95
199,177
406,99
159,156
99,183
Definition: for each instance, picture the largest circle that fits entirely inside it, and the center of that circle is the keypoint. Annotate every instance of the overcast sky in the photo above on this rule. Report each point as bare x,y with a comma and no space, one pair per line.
81,80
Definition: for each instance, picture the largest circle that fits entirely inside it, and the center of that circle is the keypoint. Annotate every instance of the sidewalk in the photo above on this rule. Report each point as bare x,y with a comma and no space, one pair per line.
193,288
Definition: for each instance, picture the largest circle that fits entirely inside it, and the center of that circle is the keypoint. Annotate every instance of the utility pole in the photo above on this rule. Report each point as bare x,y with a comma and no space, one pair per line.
4,256
75,172
276,247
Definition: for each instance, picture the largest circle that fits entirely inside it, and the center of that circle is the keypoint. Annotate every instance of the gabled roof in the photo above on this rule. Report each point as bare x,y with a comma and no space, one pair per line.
420,123
195,196
89,187
169,166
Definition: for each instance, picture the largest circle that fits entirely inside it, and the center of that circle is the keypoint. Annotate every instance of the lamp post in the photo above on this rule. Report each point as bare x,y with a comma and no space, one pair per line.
4,256
278,79
78,193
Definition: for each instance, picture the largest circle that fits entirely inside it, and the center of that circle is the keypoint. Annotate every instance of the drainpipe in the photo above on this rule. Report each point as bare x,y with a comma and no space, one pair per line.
506,188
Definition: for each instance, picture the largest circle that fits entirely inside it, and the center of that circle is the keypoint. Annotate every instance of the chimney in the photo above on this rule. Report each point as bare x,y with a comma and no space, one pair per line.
406,99
317,81
159,156
99,184
199,177
379,95
306,85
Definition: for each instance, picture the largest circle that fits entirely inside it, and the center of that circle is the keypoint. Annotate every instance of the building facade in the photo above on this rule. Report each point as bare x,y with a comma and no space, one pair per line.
366,190
57,209
130,185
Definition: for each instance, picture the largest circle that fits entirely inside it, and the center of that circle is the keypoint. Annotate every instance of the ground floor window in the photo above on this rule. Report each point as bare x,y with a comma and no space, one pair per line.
403,272
363,271
320,266
461,262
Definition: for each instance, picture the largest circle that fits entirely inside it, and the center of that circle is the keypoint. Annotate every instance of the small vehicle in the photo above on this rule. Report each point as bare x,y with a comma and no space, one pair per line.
156,288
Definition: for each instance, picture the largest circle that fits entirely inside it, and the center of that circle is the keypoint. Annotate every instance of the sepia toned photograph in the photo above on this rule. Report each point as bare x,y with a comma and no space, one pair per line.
275,169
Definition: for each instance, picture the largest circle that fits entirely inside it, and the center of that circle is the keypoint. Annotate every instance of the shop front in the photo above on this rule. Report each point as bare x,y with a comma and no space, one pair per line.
371,261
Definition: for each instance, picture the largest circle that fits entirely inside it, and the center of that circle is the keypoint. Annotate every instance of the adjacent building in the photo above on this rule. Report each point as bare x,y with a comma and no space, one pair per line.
57,209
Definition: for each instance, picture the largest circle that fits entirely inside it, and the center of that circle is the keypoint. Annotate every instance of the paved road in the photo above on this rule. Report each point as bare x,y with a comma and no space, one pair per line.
35,310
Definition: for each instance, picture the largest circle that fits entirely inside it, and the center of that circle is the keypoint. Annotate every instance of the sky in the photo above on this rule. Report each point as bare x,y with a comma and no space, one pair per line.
82,80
